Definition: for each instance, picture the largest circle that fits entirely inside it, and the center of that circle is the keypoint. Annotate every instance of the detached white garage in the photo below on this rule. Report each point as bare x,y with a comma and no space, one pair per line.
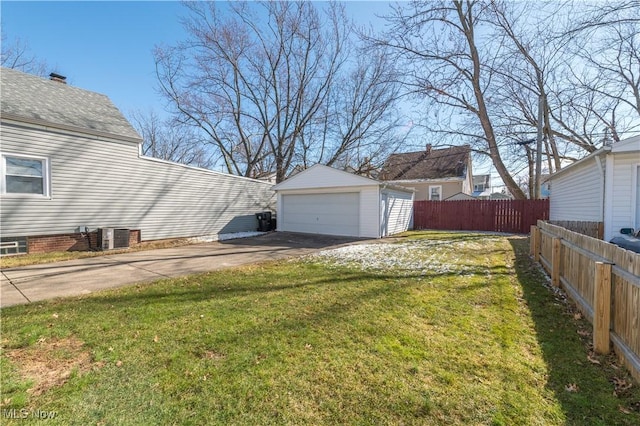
323,200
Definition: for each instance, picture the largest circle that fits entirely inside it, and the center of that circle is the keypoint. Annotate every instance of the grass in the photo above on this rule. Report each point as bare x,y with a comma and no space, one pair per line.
315,341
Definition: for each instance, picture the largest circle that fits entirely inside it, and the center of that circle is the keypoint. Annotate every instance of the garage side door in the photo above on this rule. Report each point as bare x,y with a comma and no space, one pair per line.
330,214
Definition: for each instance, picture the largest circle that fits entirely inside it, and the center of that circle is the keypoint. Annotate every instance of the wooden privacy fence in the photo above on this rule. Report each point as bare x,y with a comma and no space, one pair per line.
592,229
604,282
515,216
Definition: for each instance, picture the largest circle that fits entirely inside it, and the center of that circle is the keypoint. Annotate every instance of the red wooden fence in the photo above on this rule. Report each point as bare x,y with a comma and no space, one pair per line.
514,216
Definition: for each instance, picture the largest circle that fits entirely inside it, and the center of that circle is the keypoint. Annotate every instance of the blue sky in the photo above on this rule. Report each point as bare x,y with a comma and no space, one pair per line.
107,47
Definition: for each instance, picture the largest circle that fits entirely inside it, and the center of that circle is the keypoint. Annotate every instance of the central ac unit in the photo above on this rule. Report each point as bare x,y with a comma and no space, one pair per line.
121,238
105,238
113,238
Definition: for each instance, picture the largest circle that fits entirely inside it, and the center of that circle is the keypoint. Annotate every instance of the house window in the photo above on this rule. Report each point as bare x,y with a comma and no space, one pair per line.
25,175
435,193
13,245
478,187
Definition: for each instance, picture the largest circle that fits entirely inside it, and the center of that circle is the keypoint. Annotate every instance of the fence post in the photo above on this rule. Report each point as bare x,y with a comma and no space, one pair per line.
536,247
555,261
532,240
602,308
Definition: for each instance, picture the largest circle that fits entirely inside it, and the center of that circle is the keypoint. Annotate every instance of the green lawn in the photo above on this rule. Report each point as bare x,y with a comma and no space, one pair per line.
436,329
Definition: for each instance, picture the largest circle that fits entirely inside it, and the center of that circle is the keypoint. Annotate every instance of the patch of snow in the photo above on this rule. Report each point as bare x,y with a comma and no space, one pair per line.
404,258
223,237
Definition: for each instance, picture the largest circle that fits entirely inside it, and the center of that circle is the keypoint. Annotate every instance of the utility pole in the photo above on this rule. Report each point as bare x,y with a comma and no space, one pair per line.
539,147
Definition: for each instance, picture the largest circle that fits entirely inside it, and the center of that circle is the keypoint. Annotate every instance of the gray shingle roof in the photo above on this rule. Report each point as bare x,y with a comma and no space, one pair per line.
432,164
41,100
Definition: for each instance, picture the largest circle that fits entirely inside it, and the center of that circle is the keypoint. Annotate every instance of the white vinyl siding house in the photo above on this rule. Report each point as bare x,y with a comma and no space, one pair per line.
621,188
323,200
62,177
602,187
578,191
105,183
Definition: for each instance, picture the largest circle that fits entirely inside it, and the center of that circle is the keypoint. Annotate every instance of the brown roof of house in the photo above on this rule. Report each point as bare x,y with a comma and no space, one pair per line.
428,164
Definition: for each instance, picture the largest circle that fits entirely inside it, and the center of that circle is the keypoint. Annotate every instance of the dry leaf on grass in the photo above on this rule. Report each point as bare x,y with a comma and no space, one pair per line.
593,360
621,385
623,410
571,387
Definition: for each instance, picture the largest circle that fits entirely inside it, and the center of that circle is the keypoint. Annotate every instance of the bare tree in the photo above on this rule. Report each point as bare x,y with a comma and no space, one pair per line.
361,119
17,55
483,67
446,57
167,140
254,82
610,86
272,87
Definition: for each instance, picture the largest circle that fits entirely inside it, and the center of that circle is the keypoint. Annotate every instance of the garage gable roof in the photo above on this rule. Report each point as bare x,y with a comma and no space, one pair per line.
626,145
574,166
320,176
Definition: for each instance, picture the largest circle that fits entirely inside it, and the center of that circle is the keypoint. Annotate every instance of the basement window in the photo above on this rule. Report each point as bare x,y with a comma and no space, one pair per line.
25,175
13,245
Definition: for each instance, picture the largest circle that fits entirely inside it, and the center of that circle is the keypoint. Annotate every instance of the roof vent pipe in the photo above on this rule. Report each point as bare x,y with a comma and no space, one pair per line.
57,77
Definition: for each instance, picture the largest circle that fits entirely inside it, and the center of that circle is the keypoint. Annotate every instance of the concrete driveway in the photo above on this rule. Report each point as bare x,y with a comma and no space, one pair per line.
77,277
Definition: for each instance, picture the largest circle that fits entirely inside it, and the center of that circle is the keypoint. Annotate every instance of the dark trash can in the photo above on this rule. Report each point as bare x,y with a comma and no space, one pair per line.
264,221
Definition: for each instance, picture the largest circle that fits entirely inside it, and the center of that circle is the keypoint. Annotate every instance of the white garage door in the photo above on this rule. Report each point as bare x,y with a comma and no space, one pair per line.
331,214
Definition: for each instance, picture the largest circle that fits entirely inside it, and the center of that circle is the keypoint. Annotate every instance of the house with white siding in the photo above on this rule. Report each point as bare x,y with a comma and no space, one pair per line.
602,187
71,164
324,200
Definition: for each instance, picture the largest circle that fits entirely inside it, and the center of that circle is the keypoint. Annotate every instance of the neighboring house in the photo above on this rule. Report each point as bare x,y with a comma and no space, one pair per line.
323,200
481,187
545,186
71,163
602,187
460,196
435,174
500,196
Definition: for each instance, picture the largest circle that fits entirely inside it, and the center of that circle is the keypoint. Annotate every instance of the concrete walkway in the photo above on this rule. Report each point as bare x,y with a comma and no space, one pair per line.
77,277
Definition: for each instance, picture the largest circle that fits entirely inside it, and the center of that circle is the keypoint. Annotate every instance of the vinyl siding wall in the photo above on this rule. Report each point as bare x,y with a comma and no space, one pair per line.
578,194
104,183
620,196
397,215
422,189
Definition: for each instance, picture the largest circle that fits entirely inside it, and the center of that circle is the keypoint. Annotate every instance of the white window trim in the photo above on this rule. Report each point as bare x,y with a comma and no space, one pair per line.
439,191
46,176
